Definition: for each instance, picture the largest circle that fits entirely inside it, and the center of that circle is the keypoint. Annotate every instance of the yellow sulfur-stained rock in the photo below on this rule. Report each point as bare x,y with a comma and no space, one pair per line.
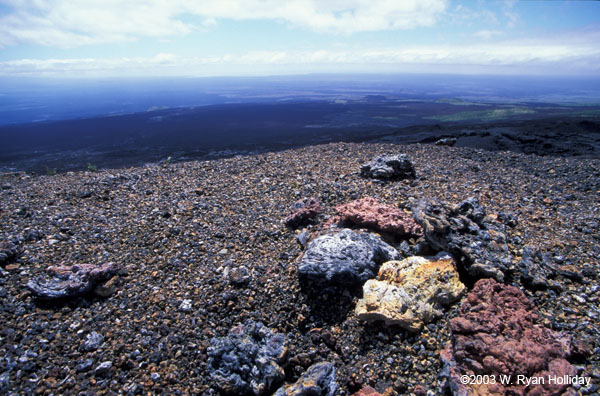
411,292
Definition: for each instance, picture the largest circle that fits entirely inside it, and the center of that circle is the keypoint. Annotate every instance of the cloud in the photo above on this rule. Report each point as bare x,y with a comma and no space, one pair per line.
72,23
488,34
572,54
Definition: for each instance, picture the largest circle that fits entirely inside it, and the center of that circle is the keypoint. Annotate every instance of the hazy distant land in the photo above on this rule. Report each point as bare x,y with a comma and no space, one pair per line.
140,121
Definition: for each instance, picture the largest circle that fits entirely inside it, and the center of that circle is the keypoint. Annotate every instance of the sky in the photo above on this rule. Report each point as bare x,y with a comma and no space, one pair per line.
83,38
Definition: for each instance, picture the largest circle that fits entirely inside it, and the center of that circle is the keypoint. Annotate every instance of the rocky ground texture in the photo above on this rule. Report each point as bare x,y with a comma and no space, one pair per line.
184,278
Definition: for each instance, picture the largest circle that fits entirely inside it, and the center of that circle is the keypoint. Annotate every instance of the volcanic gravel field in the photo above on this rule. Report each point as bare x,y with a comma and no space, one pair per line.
203,247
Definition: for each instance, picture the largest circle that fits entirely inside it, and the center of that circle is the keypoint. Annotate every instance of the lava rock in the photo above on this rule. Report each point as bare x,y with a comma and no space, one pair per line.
92,342
508,219
346,258
535,268
8,252
303,238
103,369
318,380
411,292
397,166
367,391
446,142
32,235
462,230
302,212
186,305
247,361
240,276
369,213
497,332
5,381
72,281
84,366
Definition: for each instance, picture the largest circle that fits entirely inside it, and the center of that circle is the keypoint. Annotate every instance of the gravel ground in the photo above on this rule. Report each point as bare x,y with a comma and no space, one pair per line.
179,231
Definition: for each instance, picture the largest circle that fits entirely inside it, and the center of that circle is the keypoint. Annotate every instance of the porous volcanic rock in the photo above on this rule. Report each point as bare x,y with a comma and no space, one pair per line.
411,292
318,380
535,268
479,245
367,391
346,258
368,212
303,211
8,252
75,280
247,361
498,333
397,166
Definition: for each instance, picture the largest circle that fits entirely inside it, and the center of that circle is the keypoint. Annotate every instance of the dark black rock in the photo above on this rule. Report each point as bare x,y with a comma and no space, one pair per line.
478,245
247,361
303,212
239,276
32,235
318,380
346,258
537,270
535,267
507,219
8,252
397,166
446,142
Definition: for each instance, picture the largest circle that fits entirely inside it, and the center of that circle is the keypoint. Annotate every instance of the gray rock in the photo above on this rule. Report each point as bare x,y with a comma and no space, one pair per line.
478,245
103,369
346,258
397,166
247,361
72,281
303,238
186,305
4,381
318,380
84,366
92,342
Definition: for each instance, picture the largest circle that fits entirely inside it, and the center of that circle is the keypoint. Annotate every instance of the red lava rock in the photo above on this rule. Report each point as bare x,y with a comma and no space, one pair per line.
303,211
497,333
367,391
368,212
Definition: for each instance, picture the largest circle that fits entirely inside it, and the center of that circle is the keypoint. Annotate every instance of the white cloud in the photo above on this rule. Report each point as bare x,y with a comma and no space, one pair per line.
571,55
71,23
488,34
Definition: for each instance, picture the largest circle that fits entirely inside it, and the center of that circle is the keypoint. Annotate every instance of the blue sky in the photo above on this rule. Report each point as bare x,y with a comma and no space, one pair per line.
78,38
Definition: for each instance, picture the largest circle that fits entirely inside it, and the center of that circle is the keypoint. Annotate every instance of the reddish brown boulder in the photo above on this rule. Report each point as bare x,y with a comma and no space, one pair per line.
498,334
367,391
303,212
369,213
75,280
